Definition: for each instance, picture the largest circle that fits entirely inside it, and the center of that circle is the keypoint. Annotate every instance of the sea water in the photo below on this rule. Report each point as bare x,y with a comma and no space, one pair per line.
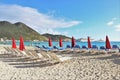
28,43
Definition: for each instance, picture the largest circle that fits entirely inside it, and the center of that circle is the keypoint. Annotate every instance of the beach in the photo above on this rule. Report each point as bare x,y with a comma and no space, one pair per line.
80,67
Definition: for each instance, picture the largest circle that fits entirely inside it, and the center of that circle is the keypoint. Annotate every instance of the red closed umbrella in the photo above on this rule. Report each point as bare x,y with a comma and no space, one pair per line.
60,42
50,42
108,46
89,43
13,43
21,45
73,42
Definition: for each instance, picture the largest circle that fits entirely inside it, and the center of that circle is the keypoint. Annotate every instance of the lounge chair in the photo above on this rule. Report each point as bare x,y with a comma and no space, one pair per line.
21,52
115,47
58,59
44,54
31,55
77,46
55,48
15,52
50,56
94,47
68,46
7,51
38,46
10,51
54,57
94,50
18,53
102,50
84,47
46,48
35,56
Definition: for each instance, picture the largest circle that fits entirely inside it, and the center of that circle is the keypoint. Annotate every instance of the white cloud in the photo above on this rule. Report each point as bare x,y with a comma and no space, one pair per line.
114,23
117,27
110,23
32,17
51,31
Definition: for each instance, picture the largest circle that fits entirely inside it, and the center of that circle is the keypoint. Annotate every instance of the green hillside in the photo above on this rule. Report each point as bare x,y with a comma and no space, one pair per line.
9,30
56,37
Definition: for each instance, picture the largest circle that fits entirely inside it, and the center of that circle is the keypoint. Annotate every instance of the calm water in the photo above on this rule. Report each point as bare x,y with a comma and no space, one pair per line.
65,43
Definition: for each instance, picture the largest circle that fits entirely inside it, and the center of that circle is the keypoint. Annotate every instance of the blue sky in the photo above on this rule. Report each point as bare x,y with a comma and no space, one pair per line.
78,18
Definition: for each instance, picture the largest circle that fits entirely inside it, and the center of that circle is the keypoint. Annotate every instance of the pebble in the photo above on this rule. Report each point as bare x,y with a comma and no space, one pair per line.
78,68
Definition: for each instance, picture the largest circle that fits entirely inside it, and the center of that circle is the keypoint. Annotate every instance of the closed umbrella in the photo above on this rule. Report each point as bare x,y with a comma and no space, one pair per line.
21,45
108,46
60,42
73,42
89,43
50,42
13,43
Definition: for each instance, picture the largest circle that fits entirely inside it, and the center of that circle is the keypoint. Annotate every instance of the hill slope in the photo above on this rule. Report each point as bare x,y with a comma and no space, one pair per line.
56,37
9,30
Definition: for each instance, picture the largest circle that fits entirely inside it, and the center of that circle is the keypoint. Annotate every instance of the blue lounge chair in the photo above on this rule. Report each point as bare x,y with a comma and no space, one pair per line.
115,47
84,47
55,47
77,46
38,46
102,48
94,47
46,48
68,46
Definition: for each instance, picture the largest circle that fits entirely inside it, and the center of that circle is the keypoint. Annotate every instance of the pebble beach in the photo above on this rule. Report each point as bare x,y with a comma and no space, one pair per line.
80,67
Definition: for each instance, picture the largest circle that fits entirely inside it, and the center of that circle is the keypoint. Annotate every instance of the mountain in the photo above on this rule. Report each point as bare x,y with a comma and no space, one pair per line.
9,30
56,37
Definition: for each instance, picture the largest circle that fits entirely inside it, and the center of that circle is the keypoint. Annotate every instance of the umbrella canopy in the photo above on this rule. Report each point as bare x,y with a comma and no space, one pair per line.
50,42
21,45
13,43
89,43
73,42
60,42
108,46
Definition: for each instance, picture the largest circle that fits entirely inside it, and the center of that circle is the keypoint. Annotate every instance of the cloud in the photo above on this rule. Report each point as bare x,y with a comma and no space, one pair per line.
110,23
117,27
32,17
114,23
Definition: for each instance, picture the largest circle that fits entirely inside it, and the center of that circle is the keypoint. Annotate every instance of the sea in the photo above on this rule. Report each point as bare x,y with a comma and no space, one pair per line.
30,43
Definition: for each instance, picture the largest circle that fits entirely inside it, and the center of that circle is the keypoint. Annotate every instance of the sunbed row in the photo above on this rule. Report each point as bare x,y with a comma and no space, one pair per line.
33,55
94,48
77,46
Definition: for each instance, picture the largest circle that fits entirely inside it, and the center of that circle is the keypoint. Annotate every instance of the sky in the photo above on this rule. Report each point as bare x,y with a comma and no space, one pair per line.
78,18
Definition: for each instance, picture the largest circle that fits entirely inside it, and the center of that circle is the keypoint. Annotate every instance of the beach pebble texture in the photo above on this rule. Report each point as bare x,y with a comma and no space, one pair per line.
81,67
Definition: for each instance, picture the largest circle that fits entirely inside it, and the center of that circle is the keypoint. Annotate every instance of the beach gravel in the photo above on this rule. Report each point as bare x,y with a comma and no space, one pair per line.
92,67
